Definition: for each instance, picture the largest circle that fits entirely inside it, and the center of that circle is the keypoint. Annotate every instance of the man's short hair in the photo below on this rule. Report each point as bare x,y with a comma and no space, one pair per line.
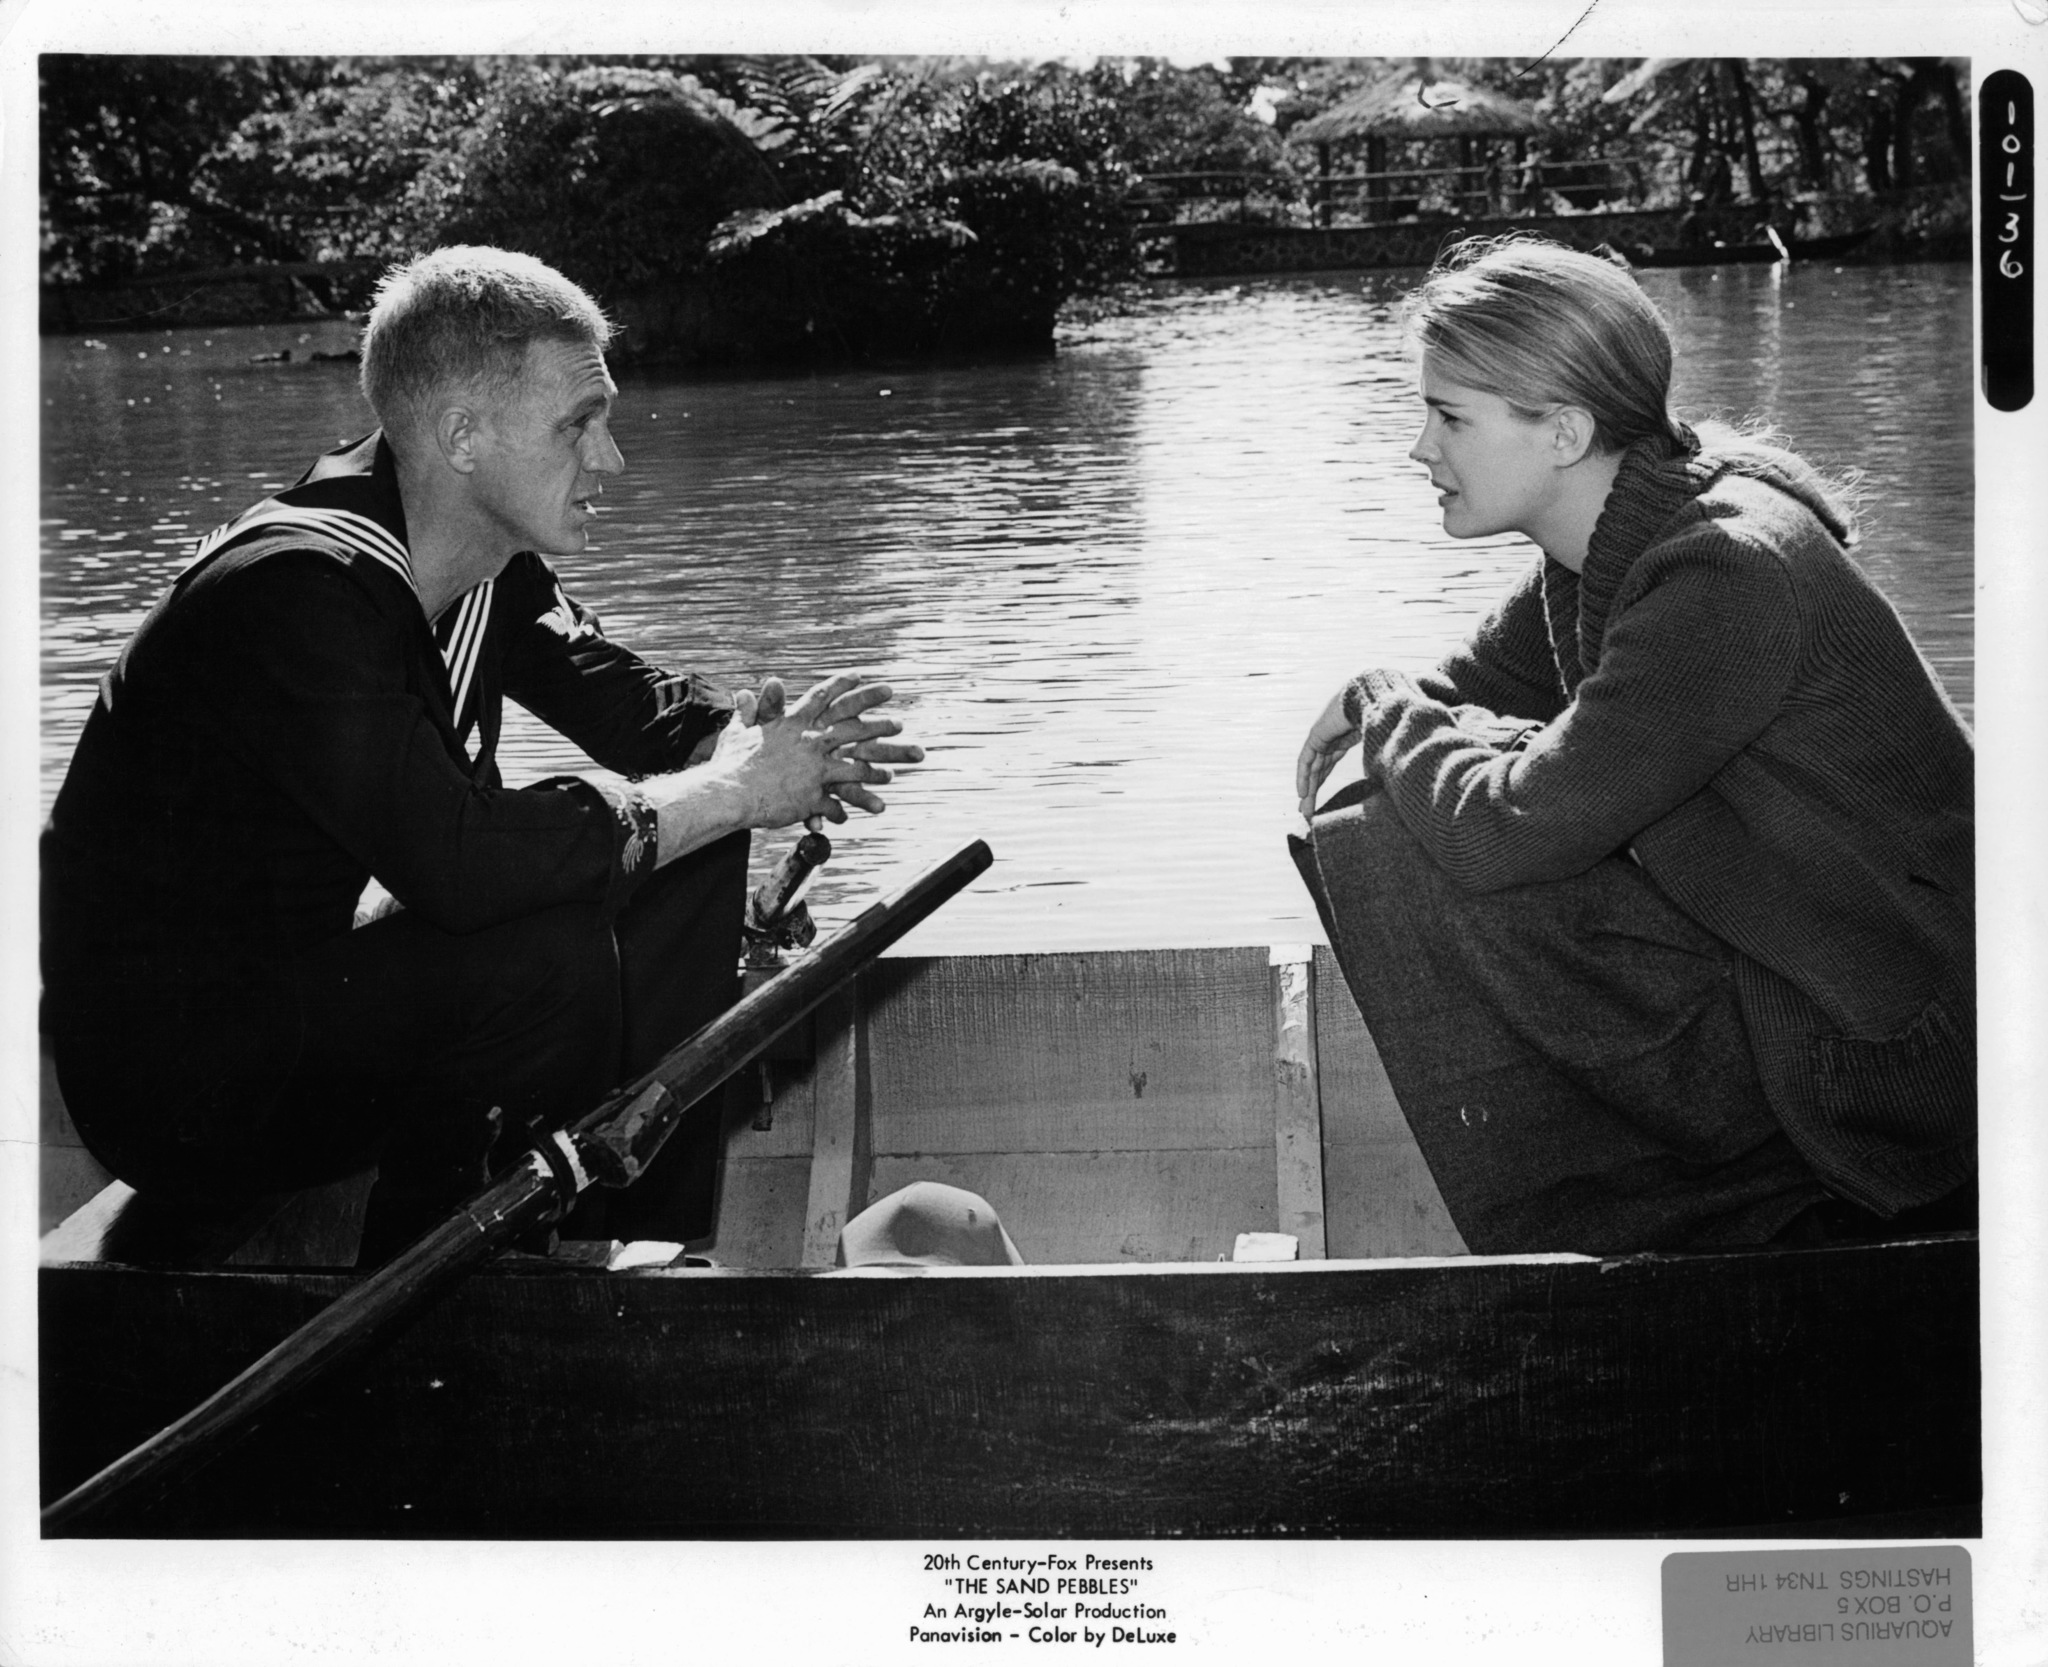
461,319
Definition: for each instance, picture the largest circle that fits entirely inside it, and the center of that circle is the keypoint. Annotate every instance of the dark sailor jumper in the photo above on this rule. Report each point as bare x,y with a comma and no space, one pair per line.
287,725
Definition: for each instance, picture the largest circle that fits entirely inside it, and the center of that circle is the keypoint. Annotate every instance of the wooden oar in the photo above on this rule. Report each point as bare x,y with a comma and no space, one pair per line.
613,1145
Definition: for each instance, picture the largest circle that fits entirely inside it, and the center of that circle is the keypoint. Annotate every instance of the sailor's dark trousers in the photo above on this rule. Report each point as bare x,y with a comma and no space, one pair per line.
432,1055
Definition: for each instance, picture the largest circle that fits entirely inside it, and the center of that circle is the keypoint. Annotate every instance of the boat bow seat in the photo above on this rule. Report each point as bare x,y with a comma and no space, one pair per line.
319,1227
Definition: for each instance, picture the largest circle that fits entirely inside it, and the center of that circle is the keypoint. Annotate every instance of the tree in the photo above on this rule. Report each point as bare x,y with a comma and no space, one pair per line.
123,140
968,208
1791,124
615,175
1909,142
1193,120
817,123
339,168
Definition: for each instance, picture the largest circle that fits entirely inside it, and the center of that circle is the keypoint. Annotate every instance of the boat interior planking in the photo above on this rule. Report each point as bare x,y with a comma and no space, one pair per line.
1129,1114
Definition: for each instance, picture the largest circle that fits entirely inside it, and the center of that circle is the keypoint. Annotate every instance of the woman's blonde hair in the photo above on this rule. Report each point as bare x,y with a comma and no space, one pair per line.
1541,326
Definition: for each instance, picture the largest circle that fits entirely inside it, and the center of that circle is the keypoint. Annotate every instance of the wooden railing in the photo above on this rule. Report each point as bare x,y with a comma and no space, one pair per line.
1315,198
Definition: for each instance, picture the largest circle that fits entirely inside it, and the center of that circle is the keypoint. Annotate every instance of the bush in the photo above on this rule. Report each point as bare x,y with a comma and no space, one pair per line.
972,214
982,259
803,207
341,167
1042,232
1189,121
616,176
821,279
969,214
1050,116
1034,168
123,143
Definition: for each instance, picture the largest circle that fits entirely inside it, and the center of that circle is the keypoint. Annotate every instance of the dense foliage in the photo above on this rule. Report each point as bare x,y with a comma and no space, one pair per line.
790,205
347,166
124,141
1765,131
965,212
740,207
615,175
1841,140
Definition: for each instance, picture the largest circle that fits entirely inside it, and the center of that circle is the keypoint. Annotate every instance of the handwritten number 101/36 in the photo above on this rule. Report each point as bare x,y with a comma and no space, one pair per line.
2005,259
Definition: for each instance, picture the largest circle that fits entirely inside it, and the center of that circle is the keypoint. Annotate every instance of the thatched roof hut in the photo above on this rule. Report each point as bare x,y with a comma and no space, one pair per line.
1415,104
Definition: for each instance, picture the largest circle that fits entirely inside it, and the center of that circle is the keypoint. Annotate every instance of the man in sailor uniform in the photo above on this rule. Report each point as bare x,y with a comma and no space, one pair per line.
314,704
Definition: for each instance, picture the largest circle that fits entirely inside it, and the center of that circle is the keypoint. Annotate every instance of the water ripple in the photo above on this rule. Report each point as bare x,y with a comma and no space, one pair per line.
1111,587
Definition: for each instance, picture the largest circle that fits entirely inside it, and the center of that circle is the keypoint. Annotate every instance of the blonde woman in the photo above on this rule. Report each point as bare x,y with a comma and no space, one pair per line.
1657,893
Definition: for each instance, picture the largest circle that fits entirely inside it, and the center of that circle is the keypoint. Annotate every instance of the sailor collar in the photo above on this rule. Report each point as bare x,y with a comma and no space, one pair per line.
349,497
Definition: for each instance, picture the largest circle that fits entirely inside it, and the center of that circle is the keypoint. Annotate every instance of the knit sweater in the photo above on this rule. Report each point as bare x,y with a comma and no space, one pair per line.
1721,694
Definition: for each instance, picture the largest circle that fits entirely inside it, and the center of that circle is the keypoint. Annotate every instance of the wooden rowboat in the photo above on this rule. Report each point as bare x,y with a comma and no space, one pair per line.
1130,1114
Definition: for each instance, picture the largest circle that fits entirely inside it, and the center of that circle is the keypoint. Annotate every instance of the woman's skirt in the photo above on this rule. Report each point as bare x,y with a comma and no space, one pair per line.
1570,1056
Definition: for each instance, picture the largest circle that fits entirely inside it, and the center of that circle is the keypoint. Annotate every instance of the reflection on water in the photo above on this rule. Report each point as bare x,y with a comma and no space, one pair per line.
1111,587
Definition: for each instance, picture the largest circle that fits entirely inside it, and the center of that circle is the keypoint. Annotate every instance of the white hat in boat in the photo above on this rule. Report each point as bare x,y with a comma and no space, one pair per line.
927,1225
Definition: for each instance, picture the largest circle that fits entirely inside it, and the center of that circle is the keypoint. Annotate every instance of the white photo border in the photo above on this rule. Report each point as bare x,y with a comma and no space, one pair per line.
1589,1603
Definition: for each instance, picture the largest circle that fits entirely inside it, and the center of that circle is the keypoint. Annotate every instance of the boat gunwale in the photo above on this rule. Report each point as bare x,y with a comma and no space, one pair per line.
542,1267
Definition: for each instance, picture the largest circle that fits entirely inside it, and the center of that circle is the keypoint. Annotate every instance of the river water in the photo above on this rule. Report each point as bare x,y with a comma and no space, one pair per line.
1111,586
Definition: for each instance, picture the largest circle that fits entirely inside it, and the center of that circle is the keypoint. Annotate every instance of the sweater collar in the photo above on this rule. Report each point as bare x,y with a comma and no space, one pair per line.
1658,477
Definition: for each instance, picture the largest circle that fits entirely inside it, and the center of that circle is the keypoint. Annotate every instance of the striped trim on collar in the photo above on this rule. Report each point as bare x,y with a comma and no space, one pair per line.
471,618
468,618
343,526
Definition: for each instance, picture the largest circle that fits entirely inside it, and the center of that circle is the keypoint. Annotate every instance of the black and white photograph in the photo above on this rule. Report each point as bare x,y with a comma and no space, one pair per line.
1192,832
